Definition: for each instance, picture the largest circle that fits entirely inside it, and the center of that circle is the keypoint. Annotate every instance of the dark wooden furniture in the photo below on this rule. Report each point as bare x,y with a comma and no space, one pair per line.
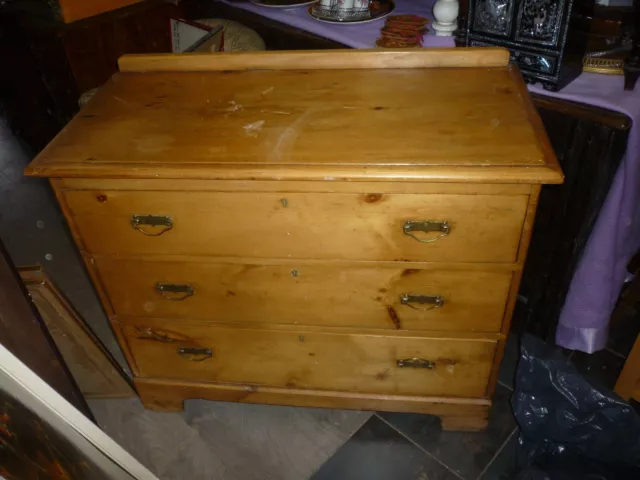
589,143
535,31
632,65
68,11
48,64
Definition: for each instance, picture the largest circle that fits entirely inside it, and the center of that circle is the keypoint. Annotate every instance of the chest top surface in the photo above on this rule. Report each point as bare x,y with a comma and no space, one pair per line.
360,116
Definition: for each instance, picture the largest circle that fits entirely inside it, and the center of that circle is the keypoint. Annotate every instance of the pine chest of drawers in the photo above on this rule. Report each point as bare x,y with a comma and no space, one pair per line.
334,229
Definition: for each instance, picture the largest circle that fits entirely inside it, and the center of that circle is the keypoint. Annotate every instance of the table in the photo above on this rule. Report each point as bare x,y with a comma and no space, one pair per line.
601,272
355,36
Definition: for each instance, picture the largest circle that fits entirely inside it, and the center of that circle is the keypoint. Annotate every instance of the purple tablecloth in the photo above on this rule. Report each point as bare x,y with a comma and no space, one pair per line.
616,235
362,35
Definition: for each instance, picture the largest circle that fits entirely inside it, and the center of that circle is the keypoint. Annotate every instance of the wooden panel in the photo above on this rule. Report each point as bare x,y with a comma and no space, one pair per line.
93,46
73,10
318,59
296,225
92,366
195,118
455,413
309,294
25,335
260,124
628,384
314,360
291,186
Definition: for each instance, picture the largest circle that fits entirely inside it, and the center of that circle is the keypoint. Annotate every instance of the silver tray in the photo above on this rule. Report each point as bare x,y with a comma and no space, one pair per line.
333,14
282,3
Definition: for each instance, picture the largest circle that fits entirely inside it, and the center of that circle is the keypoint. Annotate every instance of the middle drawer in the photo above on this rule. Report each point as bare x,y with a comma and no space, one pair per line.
366,296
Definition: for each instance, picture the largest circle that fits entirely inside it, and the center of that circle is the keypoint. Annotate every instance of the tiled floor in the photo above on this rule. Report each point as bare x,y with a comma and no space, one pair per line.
222,441
403,446
228,441
417,448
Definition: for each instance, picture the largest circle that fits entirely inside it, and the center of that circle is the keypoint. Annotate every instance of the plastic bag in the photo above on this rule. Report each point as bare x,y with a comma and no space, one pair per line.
569,428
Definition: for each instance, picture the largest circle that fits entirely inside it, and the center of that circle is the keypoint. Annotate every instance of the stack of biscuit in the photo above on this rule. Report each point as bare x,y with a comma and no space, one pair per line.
402,31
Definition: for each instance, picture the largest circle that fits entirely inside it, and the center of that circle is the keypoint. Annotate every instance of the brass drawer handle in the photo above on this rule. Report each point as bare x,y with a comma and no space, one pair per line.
426,226
409,299
415,363
195,354
168,291
153,221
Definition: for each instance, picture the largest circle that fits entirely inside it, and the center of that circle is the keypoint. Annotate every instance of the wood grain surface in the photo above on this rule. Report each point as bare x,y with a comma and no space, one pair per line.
628,384
298,225
318,60
287,180
95,371
389,186
365,296
455,413
73,10
445,124
314,360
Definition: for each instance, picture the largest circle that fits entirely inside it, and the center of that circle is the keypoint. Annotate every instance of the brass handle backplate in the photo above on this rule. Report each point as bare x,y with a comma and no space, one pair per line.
415,363
175,291
410,227
194,354
434,301
138,221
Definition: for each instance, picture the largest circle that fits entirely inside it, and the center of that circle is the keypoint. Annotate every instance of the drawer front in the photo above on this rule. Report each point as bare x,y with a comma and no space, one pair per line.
534,61
302,359
374,297
482,228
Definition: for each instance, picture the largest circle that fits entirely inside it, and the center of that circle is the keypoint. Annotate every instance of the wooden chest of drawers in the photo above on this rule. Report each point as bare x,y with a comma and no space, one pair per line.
335,229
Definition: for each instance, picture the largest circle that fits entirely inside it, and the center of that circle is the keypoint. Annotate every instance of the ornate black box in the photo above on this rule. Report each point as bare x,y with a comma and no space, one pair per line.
535,31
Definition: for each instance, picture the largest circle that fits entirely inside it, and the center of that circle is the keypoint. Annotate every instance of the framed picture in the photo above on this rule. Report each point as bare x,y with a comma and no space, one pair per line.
43,436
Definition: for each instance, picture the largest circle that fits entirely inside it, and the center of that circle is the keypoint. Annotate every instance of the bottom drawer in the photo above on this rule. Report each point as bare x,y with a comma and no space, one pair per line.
371,363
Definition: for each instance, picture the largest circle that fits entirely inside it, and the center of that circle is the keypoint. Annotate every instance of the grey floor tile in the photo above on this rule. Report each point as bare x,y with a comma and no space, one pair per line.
378,452
34,232
503,466
466,453
228,441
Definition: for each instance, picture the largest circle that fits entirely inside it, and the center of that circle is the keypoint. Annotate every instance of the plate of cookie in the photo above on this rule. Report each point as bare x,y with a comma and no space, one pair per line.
403,31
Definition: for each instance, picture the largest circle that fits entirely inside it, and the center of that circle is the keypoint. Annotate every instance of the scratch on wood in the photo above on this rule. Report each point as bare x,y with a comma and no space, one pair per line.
409,271
447,361
150,334
277,112
233,106
252,129
393,316
288,137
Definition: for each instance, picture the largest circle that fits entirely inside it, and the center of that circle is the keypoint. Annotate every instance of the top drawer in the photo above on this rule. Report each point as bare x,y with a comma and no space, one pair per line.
348,226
